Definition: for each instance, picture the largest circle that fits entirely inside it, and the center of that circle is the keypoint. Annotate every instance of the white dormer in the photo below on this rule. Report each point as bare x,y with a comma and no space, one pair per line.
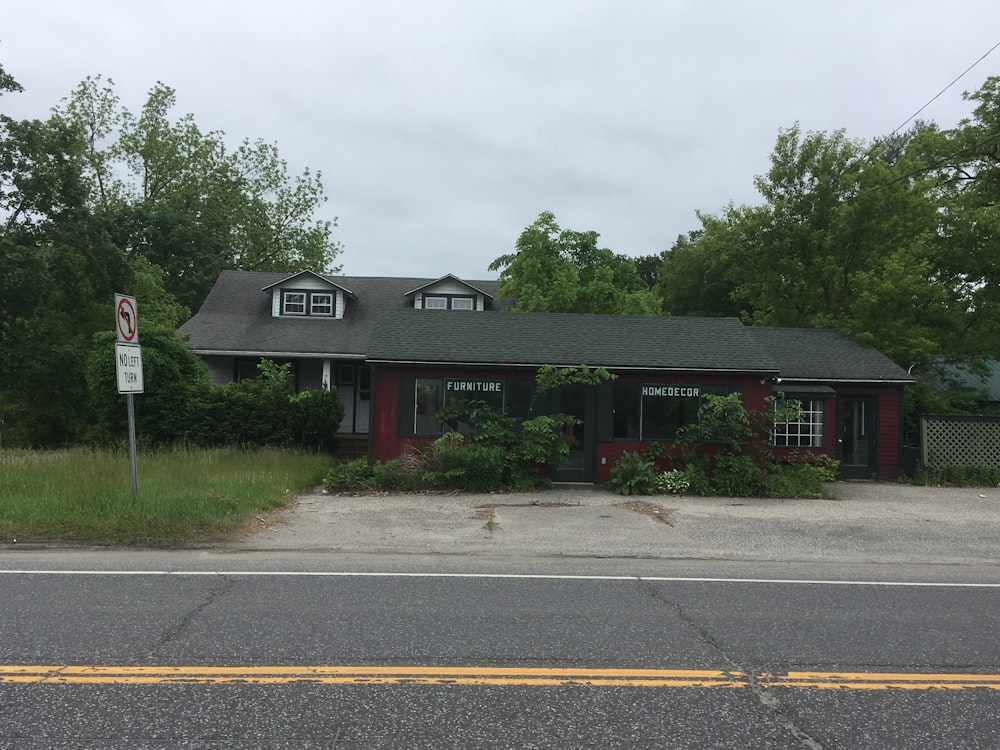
307,295
449,293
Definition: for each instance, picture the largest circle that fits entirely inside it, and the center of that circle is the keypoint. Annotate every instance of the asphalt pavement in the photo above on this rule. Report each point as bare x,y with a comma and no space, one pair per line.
861,522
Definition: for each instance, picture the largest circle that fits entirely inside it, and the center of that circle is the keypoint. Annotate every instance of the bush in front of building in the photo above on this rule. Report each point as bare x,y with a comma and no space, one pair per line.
315,417
634,473
726,452
179,405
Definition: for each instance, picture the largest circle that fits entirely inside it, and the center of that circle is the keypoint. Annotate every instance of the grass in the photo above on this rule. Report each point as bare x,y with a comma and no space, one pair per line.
185,495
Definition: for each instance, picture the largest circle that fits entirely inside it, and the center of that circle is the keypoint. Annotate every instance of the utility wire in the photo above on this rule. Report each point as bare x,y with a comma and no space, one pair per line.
960,76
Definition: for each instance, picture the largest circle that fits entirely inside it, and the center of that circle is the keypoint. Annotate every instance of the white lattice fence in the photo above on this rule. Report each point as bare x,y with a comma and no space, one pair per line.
952,440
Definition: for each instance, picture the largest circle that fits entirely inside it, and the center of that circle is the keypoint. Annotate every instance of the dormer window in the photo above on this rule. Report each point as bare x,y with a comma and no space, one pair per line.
320,304
449,293
293,303
449,302
308,295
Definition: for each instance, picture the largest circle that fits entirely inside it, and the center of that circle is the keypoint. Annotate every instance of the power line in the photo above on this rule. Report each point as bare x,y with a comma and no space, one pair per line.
960,76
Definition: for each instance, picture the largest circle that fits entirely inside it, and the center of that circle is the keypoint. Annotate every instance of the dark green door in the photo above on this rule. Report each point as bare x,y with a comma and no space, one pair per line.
857,436
578,401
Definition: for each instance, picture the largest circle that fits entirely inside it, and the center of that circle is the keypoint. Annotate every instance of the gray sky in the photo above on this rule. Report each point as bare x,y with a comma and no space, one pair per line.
444,127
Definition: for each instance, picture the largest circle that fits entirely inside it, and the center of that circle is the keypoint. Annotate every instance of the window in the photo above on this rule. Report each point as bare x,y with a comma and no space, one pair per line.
447,302
345,374
509,397
804,433
294,303
655,411
429,399
320,304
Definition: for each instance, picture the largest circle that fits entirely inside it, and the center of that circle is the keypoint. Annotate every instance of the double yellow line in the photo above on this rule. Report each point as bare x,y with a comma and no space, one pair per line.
375,675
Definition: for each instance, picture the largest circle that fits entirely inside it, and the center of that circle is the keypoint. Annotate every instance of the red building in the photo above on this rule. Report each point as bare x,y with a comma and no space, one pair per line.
400,349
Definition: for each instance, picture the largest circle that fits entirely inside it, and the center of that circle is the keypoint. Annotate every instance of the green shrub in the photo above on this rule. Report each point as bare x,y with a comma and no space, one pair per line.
796,480
351,476
737,476
315,417
674,482
633,474
453,464
391,476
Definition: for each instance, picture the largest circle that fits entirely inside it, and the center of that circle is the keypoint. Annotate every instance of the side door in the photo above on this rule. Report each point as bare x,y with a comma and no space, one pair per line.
857,436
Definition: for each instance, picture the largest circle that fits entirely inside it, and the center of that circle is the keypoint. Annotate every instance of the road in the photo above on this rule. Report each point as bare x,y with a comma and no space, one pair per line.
202,649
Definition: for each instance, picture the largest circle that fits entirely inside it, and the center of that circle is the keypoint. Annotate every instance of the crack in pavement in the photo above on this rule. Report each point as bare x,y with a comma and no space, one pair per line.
172,633
768,699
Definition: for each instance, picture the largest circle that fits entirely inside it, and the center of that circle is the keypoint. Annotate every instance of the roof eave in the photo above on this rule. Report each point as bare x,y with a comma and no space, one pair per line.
629,368
283,354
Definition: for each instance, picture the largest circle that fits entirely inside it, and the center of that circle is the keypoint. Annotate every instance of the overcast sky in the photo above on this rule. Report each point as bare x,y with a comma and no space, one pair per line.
442,128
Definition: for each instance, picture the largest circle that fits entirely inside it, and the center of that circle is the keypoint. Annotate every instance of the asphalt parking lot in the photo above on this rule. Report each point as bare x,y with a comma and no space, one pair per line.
861,522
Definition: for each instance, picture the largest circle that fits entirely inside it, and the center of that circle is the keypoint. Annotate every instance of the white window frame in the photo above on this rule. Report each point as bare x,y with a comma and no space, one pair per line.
321,303
293,303
435,303
804,433
463,303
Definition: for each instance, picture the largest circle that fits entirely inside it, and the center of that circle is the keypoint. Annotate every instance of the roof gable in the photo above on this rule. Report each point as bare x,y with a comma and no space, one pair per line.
448,280
311,276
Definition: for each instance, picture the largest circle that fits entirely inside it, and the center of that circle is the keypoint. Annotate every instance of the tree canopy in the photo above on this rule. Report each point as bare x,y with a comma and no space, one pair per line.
96,200
896,241
560,270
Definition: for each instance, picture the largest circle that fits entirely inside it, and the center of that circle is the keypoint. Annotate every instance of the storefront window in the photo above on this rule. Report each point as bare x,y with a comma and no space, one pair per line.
512,398
655,411
429,400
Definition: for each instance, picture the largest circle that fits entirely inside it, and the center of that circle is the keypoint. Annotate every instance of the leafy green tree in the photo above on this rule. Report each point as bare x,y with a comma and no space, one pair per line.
56,264
176,388
94,201
7,82
557,270
179,197
693,278
966,164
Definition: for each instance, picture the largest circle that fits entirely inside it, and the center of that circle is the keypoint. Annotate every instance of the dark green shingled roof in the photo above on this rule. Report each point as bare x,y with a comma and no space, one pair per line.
236,317
819,354
533,339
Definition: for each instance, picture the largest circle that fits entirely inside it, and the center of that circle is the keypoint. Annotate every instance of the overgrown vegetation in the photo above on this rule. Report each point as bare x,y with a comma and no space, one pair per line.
180,406
96,199
185,495
958,476
500,452
726,452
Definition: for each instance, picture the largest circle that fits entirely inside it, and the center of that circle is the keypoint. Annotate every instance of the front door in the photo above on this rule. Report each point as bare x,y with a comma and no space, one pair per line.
857,436
578,401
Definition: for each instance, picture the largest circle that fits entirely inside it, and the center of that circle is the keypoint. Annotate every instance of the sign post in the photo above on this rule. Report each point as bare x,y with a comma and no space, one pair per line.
128,368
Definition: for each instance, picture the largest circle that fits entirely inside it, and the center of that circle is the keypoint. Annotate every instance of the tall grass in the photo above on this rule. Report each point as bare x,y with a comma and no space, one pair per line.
185,495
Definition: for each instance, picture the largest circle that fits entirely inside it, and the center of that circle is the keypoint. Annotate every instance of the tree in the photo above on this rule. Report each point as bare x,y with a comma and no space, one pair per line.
7,82
966,164
693,278
183,200
94,201
556,270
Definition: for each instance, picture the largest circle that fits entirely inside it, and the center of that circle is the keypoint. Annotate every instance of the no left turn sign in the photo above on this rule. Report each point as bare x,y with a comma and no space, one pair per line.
126,319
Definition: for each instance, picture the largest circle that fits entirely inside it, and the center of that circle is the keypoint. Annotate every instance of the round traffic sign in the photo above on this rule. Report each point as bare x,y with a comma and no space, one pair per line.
127,320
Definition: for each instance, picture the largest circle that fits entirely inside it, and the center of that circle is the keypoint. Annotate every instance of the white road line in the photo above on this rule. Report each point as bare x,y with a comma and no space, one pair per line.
502,576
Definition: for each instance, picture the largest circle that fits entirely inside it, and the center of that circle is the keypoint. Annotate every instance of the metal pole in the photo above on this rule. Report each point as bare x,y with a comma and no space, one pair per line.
131,448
